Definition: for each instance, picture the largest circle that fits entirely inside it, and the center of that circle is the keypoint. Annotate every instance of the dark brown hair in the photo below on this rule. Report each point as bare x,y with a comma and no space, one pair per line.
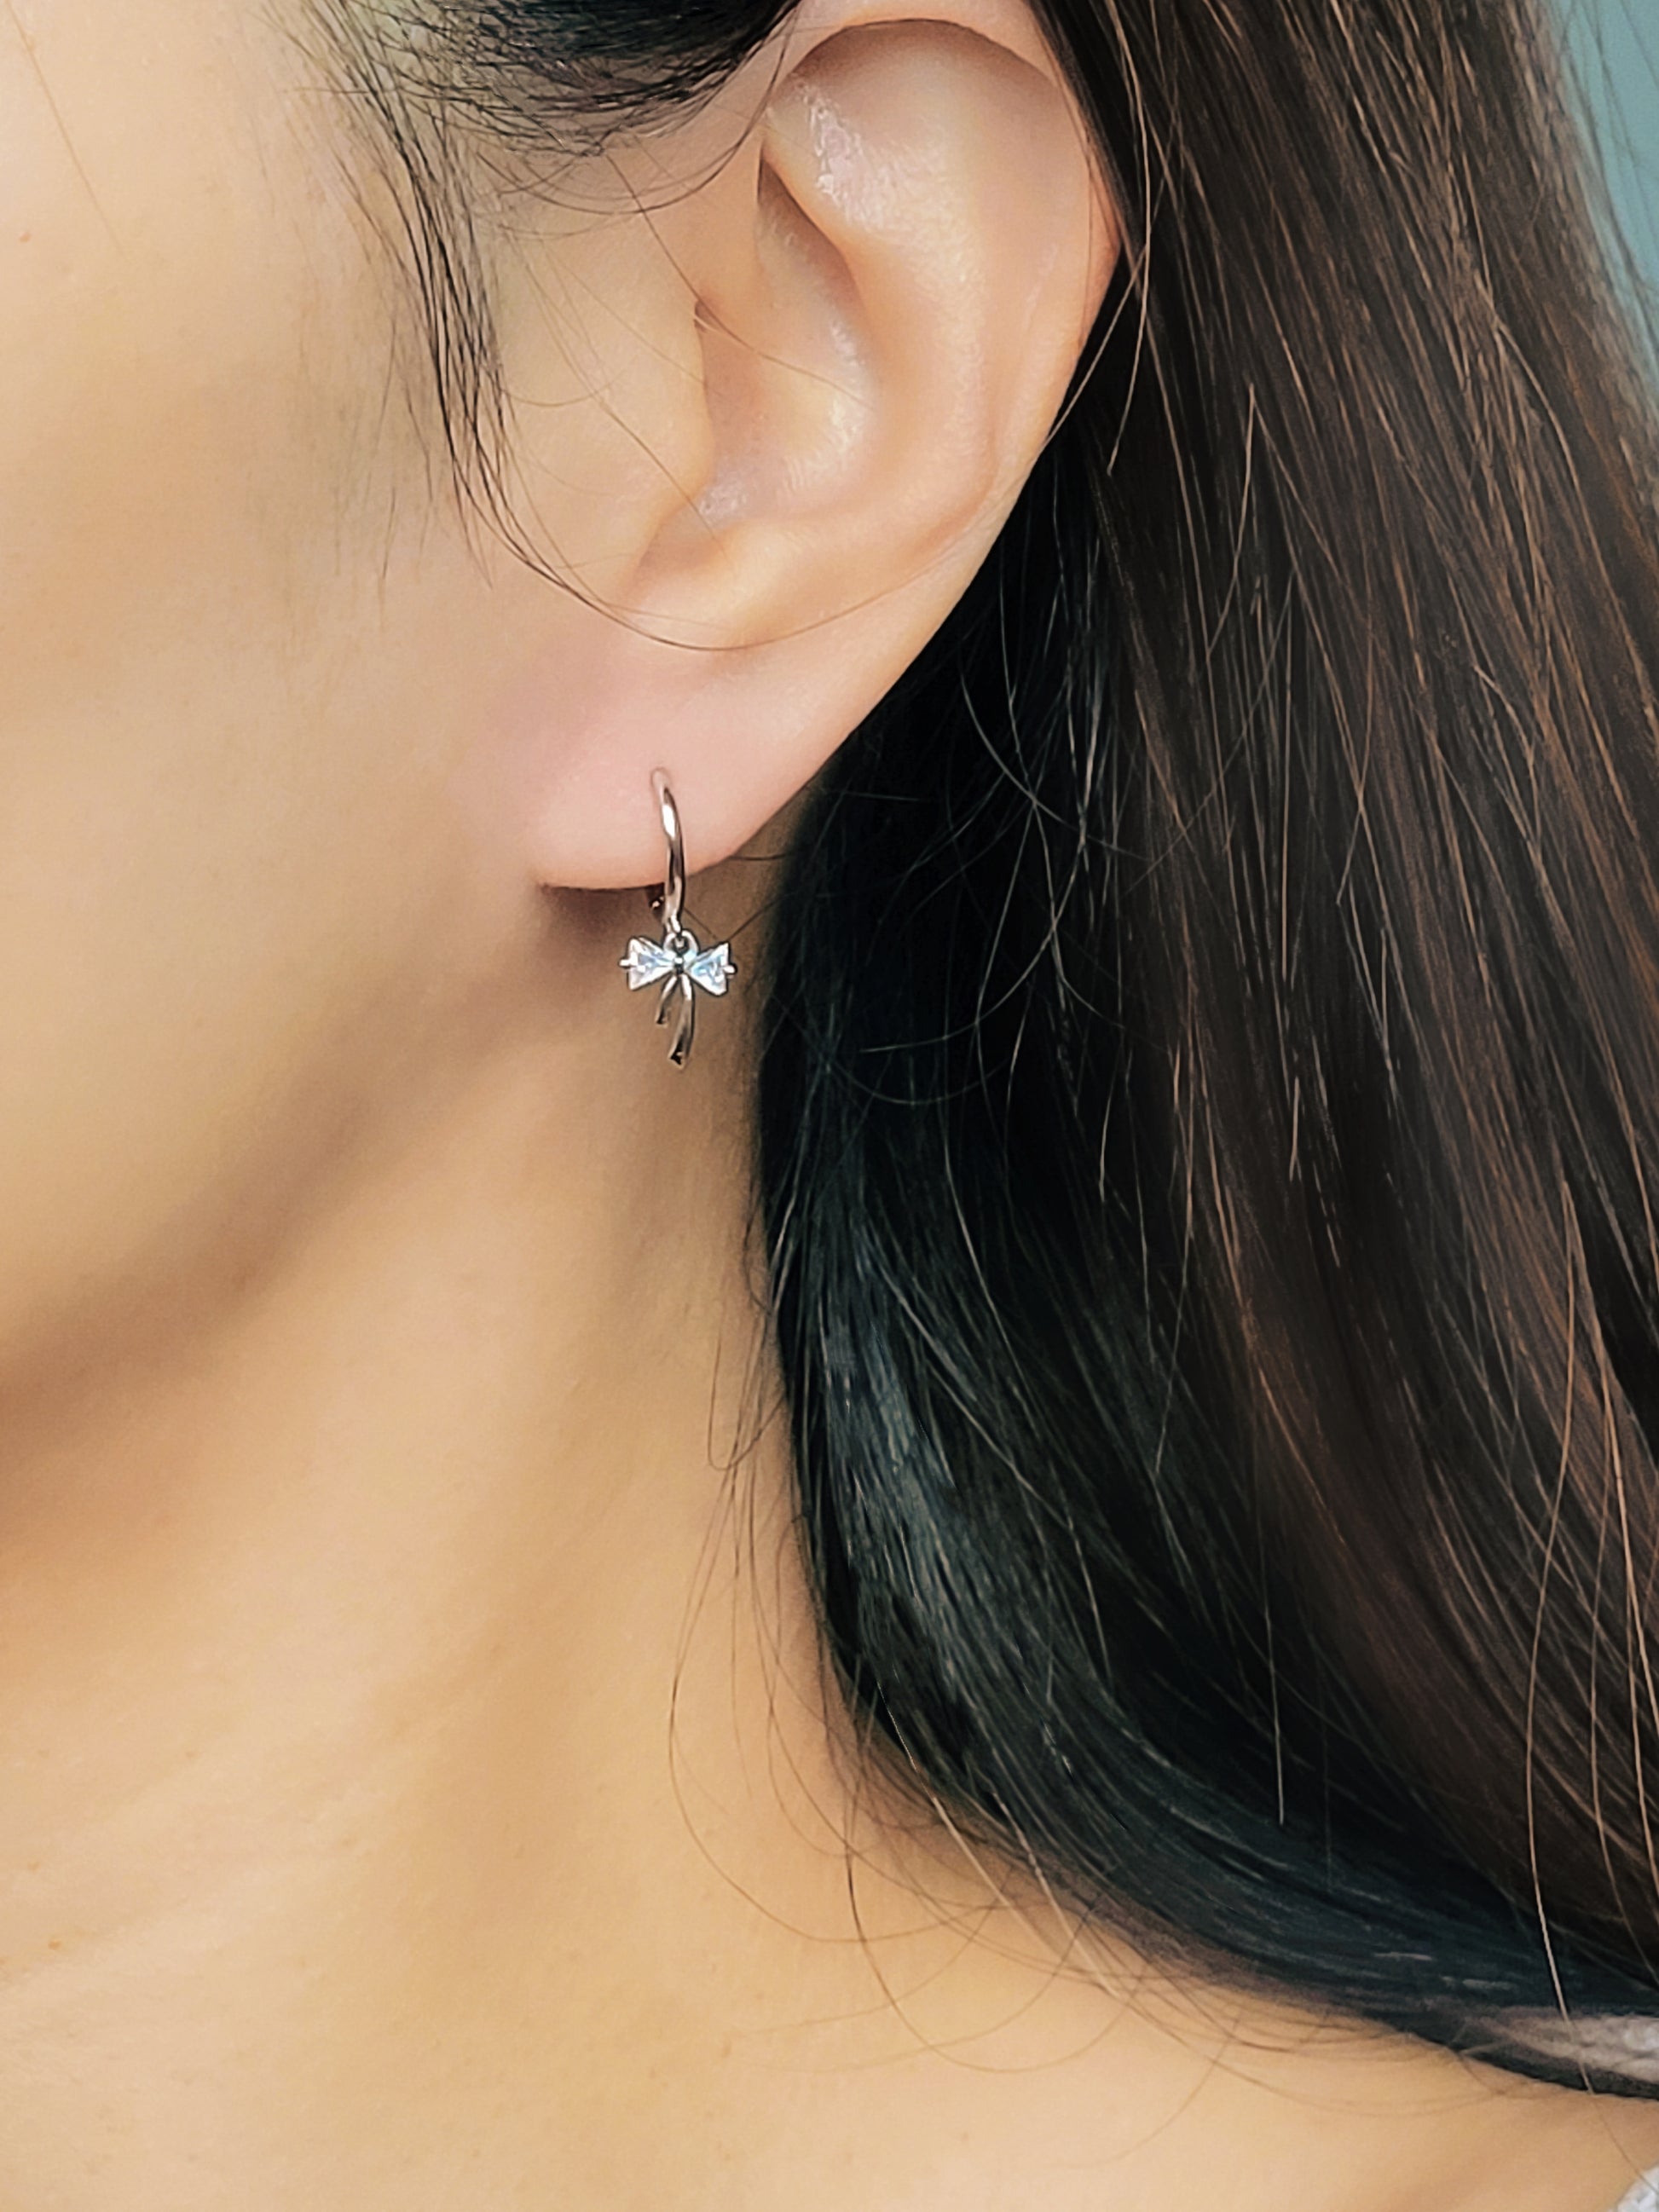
1210,1103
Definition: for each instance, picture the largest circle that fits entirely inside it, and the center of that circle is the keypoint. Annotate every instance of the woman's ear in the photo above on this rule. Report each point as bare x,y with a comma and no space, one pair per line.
824,369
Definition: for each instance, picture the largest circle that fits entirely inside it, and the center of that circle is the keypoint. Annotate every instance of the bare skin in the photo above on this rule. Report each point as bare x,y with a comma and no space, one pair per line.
418,1785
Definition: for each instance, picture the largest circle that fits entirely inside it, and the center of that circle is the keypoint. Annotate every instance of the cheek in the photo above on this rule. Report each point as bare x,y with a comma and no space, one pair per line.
221,856
158,310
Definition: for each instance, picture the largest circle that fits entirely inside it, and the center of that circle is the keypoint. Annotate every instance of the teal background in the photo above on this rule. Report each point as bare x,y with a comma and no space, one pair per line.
1614,49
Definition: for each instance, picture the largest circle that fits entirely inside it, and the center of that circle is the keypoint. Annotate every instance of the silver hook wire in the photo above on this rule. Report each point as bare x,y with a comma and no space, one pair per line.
669,902
679,963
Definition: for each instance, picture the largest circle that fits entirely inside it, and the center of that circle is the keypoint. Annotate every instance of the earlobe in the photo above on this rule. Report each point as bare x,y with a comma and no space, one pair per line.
891,291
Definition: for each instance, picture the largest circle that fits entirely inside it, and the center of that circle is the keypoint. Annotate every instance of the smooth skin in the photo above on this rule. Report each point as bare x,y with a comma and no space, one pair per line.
417,1784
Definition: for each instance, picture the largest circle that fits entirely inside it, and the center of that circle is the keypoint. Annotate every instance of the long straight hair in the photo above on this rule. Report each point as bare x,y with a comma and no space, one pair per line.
1209,1105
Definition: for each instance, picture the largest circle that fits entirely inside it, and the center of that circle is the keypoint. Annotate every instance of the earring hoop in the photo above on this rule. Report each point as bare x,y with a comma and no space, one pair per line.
679,962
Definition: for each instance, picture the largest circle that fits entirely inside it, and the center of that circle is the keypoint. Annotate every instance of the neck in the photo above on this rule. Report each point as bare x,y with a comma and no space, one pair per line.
341,1633
346,1858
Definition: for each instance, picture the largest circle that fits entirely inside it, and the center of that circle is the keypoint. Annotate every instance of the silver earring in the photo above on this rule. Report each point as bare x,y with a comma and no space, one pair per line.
679,962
